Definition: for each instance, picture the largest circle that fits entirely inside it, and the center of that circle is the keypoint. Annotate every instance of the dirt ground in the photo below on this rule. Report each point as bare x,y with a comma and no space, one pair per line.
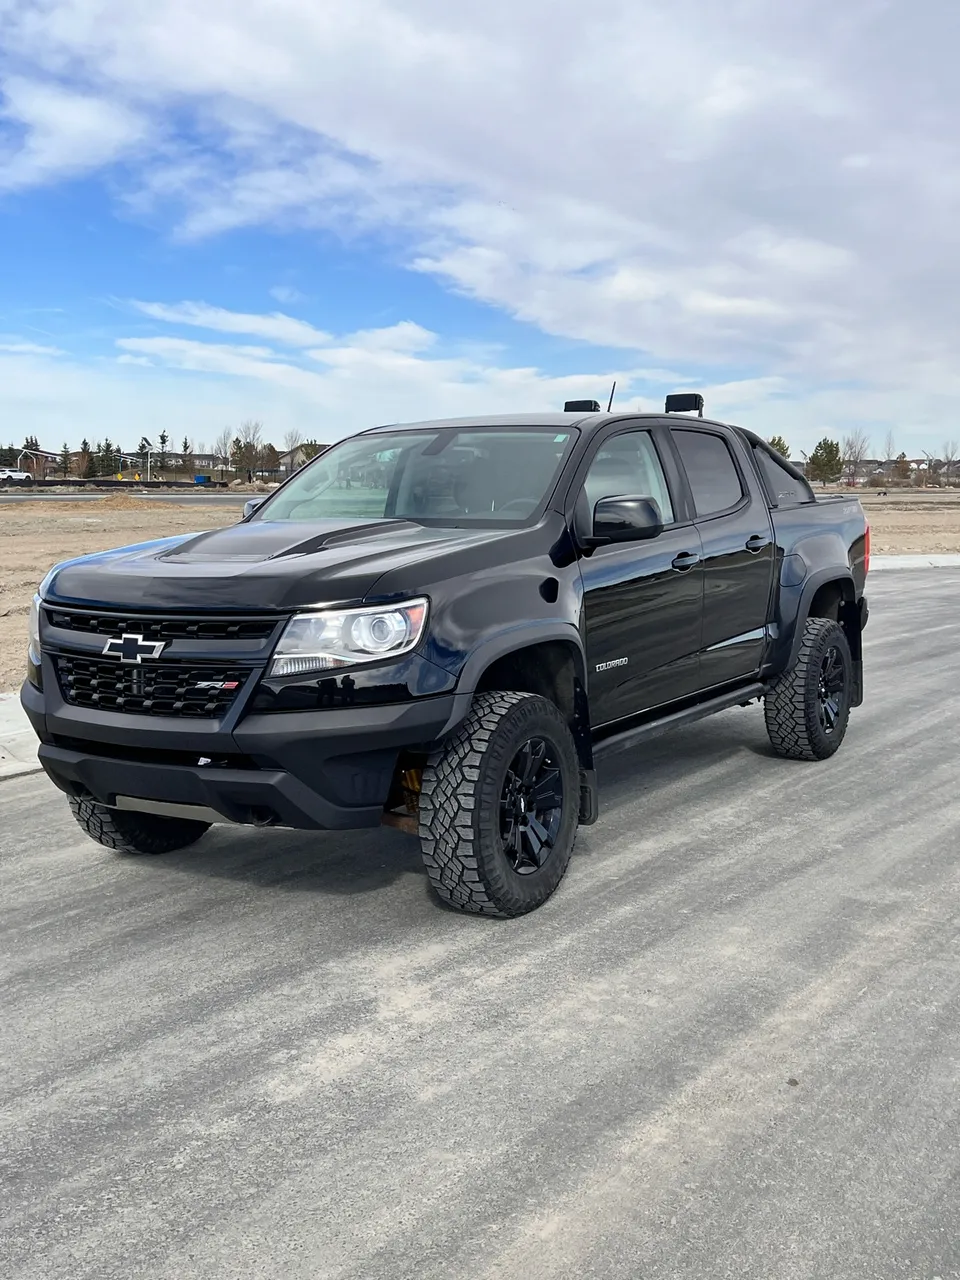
36,535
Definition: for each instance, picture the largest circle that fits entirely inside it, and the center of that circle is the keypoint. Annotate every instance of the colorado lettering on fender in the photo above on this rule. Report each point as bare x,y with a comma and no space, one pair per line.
614,662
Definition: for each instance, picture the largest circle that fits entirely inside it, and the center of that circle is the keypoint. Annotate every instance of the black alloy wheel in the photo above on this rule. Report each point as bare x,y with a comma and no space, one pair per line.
832,689
531,807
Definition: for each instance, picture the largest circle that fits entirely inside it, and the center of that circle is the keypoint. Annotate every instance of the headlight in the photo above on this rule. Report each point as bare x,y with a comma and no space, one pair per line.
34,631
342,638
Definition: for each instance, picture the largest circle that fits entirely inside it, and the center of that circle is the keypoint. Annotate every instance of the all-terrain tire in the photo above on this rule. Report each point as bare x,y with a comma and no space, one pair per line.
798,723
462,797
127,832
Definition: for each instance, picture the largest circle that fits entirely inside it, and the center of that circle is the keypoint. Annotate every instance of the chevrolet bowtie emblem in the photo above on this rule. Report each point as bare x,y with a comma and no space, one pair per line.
133,648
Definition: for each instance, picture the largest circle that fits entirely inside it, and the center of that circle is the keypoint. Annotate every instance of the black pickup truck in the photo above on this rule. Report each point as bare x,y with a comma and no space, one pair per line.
441,626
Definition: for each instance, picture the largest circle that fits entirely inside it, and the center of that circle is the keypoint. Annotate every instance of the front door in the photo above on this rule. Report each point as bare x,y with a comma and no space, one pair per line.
642,600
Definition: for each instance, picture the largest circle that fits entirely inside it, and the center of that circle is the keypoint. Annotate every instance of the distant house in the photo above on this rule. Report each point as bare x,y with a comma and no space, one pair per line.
38,463
294,459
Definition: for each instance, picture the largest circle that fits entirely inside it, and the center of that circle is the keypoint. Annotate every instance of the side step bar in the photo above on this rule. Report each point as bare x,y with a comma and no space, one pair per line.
628,738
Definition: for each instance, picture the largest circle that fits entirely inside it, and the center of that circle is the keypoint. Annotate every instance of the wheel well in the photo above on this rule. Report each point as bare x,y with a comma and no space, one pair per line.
552,670
828,599
837,600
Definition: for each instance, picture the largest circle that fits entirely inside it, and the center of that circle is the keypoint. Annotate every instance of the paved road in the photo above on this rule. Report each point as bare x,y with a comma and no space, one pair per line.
729,1047
175,495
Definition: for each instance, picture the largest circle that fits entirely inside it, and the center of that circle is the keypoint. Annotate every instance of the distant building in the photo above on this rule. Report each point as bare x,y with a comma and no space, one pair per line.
294,459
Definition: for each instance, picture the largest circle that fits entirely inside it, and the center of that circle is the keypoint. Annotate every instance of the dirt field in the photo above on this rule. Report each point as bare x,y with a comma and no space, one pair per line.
35,535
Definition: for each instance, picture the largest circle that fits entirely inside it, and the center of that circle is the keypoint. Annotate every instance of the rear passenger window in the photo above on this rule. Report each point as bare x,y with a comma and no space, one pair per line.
711,470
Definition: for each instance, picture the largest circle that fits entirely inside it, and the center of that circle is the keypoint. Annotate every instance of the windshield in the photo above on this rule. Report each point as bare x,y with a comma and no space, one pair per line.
443,477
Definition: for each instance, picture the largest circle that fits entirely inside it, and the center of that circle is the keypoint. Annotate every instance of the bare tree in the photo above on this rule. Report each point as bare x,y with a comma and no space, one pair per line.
291,440
932,468
949,452
251,433
221,449
889,448
855,448
251,438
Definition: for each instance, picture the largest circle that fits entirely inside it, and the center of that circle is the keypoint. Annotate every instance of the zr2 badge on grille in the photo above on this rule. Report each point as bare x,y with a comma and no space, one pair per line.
131,648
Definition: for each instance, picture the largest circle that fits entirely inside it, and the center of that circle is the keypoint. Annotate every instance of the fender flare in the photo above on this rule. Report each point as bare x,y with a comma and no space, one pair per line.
514,640
810,588
499,645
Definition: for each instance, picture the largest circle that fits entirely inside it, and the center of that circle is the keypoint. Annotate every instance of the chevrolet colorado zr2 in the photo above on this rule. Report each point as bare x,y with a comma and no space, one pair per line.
441,626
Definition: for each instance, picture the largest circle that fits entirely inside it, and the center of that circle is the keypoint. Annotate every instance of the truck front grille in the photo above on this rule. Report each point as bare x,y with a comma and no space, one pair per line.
150,688
153,628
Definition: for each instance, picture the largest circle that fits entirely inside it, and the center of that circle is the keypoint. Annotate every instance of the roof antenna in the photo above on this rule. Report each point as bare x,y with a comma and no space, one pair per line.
612,390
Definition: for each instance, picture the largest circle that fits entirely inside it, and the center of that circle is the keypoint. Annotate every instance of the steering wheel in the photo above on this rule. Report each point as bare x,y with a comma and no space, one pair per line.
525,505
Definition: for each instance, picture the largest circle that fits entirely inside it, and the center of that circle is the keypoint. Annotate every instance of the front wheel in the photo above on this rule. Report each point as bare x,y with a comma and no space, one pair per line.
499,806
808,709
126,831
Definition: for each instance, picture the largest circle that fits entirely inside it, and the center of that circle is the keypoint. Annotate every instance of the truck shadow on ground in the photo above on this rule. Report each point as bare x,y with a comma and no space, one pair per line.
360,862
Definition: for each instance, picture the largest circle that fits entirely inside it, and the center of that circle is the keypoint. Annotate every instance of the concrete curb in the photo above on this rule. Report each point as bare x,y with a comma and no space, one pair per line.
18,742
948,560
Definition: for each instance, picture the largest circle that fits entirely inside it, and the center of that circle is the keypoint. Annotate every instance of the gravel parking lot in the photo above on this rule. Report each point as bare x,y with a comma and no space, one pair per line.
728,1047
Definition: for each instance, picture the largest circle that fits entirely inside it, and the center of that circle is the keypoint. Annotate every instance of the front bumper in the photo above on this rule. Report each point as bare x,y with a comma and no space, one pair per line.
328,770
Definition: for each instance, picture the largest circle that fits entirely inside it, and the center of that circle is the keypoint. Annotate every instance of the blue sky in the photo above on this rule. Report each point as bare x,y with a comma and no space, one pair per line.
327,216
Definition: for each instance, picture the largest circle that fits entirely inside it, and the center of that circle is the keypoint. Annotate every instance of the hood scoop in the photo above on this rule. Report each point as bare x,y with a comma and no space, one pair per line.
338,537
265,540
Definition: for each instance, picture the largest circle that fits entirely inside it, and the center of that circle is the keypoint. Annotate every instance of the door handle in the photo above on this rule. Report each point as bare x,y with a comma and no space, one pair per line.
685,560
757,543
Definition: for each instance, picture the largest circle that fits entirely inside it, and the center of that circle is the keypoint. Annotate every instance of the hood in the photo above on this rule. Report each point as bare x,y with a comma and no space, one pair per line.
266,565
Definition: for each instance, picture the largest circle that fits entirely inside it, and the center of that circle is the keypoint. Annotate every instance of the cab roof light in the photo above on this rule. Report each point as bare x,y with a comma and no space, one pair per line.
685,402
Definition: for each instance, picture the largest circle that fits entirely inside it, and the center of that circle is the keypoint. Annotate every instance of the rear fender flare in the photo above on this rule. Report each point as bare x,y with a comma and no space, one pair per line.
794,610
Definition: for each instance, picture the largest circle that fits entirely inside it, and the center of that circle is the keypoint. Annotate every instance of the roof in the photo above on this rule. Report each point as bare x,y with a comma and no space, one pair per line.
540,420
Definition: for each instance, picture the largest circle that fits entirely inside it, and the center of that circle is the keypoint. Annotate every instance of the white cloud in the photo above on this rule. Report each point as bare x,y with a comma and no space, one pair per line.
286,294
275,327
397,373
406,337
61,132
193,387
766,188
14,346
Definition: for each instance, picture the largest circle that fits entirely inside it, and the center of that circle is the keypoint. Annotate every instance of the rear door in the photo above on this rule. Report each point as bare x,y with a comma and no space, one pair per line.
642,600
736,535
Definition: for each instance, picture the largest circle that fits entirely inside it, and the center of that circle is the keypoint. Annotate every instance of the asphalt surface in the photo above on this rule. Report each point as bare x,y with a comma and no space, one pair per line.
728,1047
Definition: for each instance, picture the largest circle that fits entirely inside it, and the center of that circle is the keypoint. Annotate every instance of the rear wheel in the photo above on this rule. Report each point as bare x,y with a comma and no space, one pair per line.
808,709
499,806
127,832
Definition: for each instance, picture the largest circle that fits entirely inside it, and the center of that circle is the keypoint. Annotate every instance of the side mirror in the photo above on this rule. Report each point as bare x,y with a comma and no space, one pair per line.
626,520
250,506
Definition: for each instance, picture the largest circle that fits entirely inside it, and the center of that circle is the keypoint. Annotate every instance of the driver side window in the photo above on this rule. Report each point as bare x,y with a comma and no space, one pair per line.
628,466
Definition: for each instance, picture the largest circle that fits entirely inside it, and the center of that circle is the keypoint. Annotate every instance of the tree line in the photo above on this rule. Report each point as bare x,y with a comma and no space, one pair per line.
833,460
240,452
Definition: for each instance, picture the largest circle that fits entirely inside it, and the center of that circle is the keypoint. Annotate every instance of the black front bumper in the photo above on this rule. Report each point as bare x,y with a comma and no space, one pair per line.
329,769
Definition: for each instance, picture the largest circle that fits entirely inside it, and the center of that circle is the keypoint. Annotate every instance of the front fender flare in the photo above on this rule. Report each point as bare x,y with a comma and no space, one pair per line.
511,640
